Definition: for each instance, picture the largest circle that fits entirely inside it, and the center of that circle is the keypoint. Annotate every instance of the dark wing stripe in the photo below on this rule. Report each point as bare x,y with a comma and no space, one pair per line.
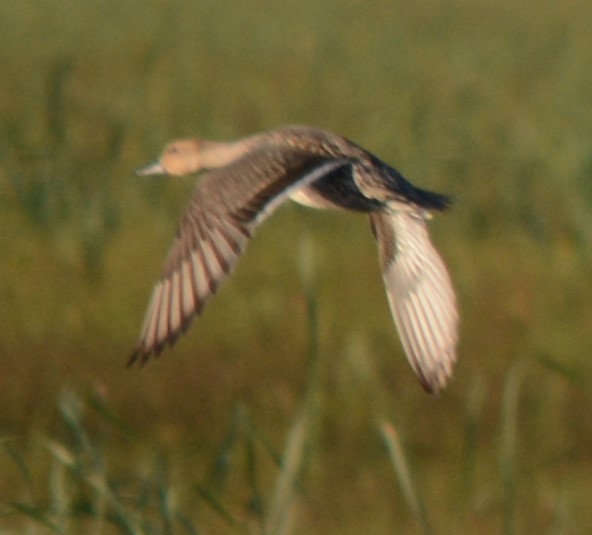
211,268
176,310
163,311
200,278
152,323
148,329
235,235
221,249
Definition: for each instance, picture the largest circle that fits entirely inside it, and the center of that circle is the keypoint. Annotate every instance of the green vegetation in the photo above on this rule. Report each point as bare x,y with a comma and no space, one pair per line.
289,406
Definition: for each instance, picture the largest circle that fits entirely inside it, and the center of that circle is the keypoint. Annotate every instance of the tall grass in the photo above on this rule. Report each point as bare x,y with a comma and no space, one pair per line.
509,444
83,493
401,468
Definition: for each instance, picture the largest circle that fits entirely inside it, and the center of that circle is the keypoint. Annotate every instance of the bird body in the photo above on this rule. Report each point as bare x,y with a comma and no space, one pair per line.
246,180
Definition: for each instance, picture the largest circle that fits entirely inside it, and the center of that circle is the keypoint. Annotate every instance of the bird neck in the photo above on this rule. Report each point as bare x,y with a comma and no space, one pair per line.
215,154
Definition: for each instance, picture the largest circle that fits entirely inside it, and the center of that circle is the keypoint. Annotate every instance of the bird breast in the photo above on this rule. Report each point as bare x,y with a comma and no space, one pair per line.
335,191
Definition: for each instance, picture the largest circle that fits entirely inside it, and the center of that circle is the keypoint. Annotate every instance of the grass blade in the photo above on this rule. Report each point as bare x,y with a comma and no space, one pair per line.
281,512
19,462
509,440
36,513
401,467
207,496
474,409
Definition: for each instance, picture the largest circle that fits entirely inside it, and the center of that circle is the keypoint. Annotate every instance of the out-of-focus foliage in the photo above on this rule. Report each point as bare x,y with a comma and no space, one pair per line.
488,101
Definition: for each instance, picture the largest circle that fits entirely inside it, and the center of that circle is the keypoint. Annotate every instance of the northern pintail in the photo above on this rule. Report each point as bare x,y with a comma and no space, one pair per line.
246,180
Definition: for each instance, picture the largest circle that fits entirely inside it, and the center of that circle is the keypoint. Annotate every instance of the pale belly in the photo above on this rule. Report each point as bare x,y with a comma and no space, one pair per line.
333,194
308,197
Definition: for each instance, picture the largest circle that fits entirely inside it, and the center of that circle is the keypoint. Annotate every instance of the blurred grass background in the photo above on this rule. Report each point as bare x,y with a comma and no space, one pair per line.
287,381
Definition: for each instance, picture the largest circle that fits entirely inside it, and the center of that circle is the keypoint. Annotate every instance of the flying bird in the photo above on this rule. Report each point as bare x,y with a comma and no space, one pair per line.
243,183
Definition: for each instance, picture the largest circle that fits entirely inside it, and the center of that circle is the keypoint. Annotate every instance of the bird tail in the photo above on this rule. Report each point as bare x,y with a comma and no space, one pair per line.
431,200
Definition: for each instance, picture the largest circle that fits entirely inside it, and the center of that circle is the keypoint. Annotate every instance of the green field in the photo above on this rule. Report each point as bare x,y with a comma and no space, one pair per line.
289,406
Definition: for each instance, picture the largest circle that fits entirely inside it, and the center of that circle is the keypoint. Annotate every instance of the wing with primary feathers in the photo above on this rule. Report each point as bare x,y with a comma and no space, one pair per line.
420,295
223,214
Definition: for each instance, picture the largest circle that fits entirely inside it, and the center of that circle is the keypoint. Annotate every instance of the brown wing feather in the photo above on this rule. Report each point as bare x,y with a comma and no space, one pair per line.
227,207
420,295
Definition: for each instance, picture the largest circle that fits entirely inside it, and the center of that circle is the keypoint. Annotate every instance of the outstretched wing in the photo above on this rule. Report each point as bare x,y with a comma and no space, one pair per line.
420,295
223,214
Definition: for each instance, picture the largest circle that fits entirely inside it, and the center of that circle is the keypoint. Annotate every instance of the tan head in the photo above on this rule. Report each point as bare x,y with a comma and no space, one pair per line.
179,158
187,156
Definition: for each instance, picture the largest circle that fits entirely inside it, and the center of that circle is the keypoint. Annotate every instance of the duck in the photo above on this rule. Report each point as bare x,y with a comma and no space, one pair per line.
244,181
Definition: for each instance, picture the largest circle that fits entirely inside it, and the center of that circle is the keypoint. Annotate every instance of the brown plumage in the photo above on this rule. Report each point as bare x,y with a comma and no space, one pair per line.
247,179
